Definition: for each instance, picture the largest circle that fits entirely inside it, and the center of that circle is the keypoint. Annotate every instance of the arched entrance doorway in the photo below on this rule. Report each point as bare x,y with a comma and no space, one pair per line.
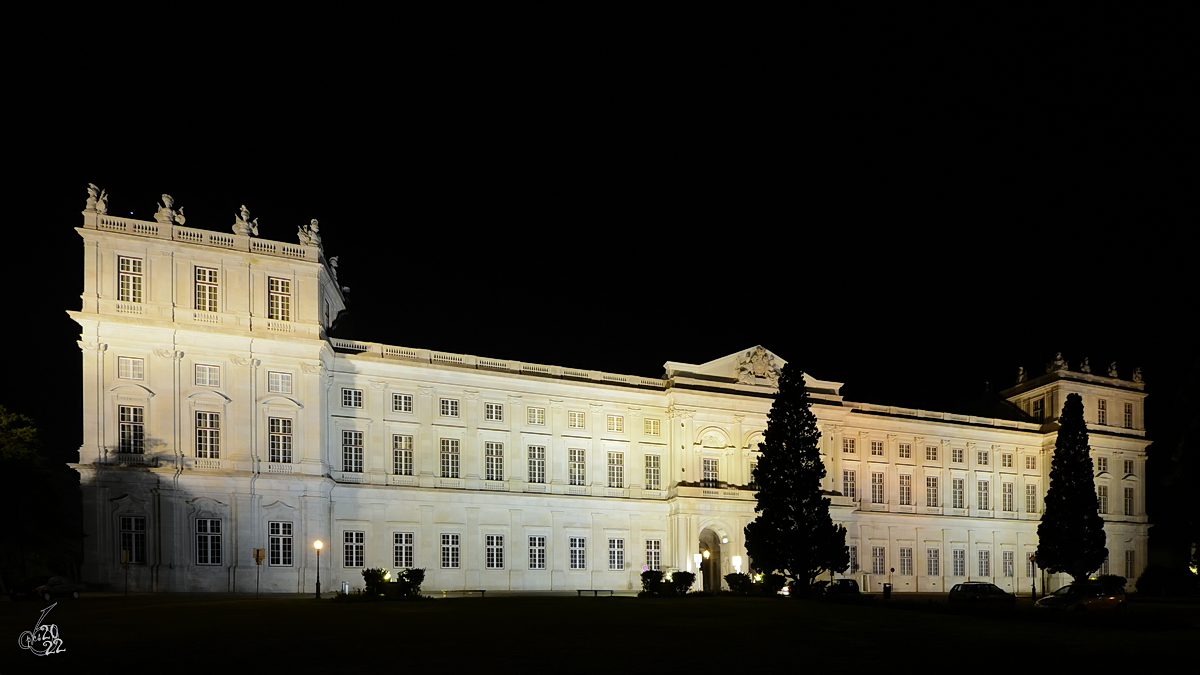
710,562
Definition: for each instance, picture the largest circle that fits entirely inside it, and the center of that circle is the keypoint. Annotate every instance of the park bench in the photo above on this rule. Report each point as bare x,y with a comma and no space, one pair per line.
480,591
594,591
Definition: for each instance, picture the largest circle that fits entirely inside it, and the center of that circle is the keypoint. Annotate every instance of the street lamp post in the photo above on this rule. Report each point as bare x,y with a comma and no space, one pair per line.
317,545
1033,578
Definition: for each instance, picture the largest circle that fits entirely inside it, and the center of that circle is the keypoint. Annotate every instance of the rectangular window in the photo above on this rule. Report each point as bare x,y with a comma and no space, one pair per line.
848,446
654,553
206,289
1101,464
1130,571
129,279
985,563
208,435
402,455
537,464
982,457
208,376
932,564
536,416
402,550
494,460
616,554
710,472
1031,499
983,495
653,473
575,419
131,429
130,368
537,553
279,299
354,549
1006,460
931,453
1102,412
753,472
931,491
960,562
448,407
493,412
848,487
616,423
1128,415
352,398
279,544
1030,569
853,559
402,403
1008,496
449,458
494,551
208,541
578,553
1006,558
905,451
1102,499
956,455
877,448
352,451
957,489
1031,462
279,383
450,551
905,561
1129,501
905,490
1128,468
279,441
133,539
575,466
1039,409
651,427
876,488
877,562
616,470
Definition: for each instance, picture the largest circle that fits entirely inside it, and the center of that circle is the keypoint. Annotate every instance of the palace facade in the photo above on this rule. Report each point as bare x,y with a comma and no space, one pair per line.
220,418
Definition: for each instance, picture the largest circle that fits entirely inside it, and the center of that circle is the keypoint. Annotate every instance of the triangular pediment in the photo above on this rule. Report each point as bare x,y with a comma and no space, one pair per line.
749,369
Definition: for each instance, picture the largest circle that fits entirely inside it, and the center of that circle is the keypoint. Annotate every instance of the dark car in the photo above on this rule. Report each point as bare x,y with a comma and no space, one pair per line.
58,587
979,592
842,587
1084,597
27,588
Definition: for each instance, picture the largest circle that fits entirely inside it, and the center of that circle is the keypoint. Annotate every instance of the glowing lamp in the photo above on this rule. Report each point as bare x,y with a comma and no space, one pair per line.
318,545
737,564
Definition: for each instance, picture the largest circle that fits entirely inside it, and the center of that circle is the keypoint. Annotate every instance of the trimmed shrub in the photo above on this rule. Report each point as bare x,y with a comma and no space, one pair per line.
682,582
373,581
652,583
410,581
739,584
770,585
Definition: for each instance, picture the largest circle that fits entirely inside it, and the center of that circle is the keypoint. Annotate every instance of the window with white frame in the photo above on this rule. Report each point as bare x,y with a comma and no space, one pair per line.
208,376
206,289
616,470
537,463
848,486
535,416
131,429
1102,412
494,551
905,490
450,551
449,458
616,423
1130,570
653,472
208,435
208,541
654,553
1128,415
578,552
133,539
1008,496
853,559
279,383
1031,462
129,279
279,440
876,487
877,448
616,554
753,473
1128,467
957,490
448,407
575,419
1006,560
1129,501
1031,499
402,454
906,561
576,469
877,561
848,446
904,451
1101,465
352,451
402,550
402,403
710,472
493,460
932,562
982,456
1038,409
1103,567
131,368
985,563
956,455
493,412
537,552
354,549
983,495
1030,568
931,453
279,299
352,398
1006,460
651,427
1102,499
931,491
279,544
960,562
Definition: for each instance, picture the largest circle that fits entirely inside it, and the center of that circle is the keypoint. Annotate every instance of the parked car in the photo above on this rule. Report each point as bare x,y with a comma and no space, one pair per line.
1084,596
979,592
58,587
27,588
842,587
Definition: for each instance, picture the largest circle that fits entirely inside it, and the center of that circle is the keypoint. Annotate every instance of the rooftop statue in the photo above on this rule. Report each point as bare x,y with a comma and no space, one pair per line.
1112,369
1058,364
1137,374
333,265
243,225
97,199
1020,374
167,214
1085,367
310,235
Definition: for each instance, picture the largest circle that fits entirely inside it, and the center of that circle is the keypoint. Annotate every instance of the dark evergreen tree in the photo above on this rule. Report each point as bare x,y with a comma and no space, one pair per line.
793,533
1071,534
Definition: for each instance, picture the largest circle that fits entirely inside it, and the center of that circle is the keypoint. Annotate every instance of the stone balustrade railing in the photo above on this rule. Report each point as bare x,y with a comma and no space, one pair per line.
233,242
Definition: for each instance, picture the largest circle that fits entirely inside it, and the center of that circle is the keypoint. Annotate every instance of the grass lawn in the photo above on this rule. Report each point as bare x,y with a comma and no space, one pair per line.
197,633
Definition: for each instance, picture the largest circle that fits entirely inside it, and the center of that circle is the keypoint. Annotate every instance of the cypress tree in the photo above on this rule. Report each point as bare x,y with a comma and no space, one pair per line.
1071,534
793,533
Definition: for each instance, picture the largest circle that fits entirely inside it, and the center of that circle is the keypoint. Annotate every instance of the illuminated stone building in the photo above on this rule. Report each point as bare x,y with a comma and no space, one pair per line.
219,418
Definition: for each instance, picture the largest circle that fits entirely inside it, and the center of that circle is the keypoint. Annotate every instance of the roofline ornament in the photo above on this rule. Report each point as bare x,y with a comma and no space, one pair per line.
756,366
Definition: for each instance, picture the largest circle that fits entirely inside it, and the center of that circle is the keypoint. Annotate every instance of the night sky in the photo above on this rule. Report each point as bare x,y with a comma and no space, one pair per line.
912,214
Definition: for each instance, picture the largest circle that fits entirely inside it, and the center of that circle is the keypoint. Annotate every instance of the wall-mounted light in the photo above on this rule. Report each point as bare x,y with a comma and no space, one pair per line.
737,564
